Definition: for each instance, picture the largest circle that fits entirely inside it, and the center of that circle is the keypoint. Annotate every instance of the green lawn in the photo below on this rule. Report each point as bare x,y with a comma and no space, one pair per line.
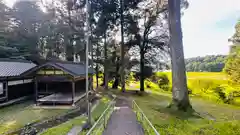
64,128
18,115
171,122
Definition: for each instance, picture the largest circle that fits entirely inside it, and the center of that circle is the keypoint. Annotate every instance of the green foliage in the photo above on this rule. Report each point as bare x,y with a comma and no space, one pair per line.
162,80
211,63
233,60
233,63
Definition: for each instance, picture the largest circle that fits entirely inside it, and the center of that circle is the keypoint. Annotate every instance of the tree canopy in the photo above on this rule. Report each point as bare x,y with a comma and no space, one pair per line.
233,59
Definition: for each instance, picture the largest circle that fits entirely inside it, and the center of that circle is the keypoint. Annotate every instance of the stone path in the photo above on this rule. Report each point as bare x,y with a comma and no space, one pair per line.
123,120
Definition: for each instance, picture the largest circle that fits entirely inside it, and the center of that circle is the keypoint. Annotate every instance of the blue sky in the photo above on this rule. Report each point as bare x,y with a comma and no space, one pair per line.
207,25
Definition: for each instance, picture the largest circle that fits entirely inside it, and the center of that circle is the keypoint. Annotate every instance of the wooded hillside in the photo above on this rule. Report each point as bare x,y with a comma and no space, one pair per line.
210,63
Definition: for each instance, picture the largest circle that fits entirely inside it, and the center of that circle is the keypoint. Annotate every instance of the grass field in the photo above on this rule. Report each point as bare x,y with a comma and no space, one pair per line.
202,84
204,75
170,122
18,115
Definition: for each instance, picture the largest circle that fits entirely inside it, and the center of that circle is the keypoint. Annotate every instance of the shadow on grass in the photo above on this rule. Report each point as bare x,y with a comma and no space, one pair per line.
175,113
157,103
160,103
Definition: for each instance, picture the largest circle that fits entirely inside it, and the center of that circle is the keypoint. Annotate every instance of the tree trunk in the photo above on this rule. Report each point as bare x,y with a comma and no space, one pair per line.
122,48
116,81
142,69
69,49
97,66
97,74
105,62
179,83
103,83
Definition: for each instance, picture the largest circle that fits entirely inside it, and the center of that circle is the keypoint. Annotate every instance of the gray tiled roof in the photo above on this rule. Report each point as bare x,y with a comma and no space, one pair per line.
14,68
77,69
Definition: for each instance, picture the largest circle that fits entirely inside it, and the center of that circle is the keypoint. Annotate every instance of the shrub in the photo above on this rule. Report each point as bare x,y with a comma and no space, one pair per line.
165,87
161,79
220,92
151,85
228,93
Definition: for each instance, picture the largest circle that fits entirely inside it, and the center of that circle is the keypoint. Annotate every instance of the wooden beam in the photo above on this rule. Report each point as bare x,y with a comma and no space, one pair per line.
6,84
46,87
36,89
73,91
79,78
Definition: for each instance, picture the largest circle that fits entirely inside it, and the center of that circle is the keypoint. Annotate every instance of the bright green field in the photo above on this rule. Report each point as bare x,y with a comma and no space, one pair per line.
201,75
201,84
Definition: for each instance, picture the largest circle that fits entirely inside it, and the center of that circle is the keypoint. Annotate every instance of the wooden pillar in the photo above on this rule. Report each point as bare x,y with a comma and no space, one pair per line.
73,91
6,84
46,88
36,89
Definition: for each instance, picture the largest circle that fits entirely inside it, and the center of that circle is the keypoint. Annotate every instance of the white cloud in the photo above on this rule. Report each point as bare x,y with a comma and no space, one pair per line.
201,35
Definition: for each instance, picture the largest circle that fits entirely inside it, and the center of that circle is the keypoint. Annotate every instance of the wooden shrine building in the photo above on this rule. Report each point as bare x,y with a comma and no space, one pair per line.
14,86
59,82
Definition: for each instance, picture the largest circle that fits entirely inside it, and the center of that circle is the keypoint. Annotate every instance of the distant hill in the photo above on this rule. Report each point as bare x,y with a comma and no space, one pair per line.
209,63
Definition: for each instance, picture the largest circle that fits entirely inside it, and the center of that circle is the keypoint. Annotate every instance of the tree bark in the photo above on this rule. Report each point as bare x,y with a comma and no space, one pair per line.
116,81
105,63
179,83
97,75
69,49
122,48
142,69
97,67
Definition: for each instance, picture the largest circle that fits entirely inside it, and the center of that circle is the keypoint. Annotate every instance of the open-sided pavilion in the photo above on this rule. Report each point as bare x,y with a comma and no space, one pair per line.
59,82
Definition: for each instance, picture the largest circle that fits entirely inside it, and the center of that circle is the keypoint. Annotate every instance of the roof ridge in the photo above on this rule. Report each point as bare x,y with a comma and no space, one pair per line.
68,62
15,60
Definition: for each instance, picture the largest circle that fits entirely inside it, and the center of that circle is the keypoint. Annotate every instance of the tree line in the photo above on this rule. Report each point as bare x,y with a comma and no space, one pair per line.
210,63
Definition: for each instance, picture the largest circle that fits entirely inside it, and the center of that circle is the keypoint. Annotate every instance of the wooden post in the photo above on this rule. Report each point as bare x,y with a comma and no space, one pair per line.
46,88
36,88
6,90
73,91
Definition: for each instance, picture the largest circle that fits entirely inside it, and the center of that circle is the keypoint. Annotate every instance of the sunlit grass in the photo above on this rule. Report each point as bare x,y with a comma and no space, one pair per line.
171,122
17,116
64,128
